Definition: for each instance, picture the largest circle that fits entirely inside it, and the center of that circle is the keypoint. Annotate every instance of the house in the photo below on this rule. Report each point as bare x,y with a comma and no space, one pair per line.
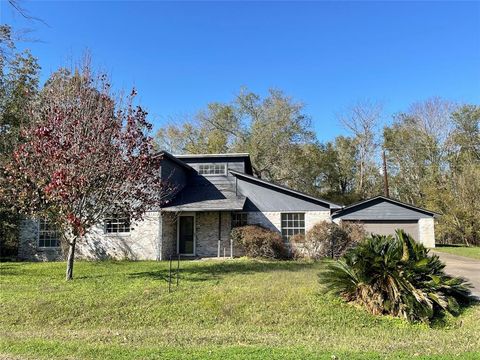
214,193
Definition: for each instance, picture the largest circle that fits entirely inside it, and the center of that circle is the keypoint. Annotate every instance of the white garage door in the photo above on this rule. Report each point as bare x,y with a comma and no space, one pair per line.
389,227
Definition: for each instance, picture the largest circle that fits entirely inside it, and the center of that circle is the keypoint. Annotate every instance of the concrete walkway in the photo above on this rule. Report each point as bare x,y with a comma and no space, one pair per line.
462,266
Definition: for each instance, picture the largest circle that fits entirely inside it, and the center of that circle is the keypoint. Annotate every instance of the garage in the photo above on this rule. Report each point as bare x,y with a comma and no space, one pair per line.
389,227
382,215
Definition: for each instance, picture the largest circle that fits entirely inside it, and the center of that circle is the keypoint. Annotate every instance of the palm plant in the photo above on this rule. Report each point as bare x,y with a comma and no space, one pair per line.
396,276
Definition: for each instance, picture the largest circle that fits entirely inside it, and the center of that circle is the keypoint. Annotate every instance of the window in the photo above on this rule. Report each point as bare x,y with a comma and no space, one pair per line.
239,219
292,224
117,224
212,169
48,236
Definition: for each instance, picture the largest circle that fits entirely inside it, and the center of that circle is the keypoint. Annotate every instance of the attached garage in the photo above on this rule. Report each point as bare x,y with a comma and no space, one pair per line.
381,215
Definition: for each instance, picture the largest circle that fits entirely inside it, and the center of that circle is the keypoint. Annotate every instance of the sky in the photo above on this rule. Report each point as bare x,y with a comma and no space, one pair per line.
329,55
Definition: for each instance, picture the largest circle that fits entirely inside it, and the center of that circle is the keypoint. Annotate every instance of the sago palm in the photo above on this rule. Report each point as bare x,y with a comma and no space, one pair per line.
396,276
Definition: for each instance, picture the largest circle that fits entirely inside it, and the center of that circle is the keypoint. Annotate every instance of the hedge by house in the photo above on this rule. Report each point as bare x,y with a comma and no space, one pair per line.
259,242
327,239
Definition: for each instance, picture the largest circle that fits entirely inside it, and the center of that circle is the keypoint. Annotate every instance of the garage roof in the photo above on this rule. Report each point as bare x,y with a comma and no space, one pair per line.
383,208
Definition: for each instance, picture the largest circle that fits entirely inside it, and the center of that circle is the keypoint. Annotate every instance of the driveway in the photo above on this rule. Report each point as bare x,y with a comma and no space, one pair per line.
464,267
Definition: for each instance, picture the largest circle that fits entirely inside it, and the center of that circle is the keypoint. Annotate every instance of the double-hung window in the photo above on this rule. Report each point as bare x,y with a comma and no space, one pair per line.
212,169
239,219
292,224
117,224
48,235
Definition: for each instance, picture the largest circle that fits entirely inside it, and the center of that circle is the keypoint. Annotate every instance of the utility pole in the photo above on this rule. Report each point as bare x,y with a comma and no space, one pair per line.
385,175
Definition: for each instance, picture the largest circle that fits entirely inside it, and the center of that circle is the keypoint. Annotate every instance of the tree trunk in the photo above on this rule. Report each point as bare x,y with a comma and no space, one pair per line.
71,255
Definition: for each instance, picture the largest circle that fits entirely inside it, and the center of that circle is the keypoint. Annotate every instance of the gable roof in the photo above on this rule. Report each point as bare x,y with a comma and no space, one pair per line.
180,156
218,157
285,189
175,159
351,208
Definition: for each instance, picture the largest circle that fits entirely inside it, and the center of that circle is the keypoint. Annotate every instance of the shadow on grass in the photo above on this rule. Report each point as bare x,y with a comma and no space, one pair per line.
452,245
441,321
197,271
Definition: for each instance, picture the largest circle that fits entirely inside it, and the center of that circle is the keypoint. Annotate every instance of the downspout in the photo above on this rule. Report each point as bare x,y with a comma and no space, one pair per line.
219,232
160,236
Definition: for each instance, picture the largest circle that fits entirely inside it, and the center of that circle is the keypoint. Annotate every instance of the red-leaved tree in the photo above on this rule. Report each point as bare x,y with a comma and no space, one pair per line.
85,156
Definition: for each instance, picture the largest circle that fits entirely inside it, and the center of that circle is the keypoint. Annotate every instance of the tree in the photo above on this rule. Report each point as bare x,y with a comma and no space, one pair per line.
460,201
337,172
86,155
211,131
362,120
274,130
434,161
19,74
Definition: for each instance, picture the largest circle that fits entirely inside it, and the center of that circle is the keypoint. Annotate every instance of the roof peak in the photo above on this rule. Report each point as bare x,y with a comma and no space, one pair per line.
212,155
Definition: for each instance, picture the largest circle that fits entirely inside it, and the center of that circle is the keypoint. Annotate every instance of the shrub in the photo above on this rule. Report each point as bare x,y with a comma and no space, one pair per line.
260,242
396,276
327,239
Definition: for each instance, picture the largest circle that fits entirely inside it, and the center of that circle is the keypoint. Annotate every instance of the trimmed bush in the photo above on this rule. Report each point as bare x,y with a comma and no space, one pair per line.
327,239
259,242
396,276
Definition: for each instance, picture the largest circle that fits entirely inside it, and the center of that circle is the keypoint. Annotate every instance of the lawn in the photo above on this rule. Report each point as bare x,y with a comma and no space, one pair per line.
471,252
237,309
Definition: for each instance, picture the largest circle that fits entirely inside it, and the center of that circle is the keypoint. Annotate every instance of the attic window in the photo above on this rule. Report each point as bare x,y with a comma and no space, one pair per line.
212,169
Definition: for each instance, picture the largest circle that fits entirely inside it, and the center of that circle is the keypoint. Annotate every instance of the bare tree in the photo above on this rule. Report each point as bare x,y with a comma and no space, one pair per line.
362,120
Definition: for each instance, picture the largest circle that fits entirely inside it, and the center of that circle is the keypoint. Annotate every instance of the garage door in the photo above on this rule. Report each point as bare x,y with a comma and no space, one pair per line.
389,227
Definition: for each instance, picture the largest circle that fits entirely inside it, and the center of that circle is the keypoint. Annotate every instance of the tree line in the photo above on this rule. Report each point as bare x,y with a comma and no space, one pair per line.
431,152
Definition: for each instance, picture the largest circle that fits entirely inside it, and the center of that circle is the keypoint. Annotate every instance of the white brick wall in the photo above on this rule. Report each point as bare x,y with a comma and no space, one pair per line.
426,232
142,243
150,241
273,220
314,217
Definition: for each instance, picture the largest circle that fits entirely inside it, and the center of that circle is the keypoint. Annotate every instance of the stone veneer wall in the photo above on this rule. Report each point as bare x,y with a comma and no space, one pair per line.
426,232
206,233
141,243
168,230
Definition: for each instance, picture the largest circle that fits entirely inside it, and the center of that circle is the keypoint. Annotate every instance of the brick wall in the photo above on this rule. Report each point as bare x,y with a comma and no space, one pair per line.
273,220
141,243
426,232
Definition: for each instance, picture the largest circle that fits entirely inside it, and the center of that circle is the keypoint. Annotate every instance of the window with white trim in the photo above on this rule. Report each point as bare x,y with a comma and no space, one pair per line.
212,169
292,224
116,224
239,219
48,235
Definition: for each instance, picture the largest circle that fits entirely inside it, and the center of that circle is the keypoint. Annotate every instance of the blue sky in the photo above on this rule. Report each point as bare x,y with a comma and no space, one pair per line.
180,56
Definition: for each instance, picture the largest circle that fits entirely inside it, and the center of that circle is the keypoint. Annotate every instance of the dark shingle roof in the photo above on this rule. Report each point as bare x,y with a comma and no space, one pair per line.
206,197
286,189
352,207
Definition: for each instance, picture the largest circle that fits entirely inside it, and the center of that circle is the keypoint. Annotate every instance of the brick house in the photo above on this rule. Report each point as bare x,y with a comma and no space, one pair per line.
214,193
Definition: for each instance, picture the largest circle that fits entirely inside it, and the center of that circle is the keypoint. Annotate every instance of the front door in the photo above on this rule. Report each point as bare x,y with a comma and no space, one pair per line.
186,235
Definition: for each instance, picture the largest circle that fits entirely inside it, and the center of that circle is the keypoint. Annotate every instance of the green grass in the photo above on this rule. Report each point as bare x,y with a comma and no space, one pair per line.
237,309
471,252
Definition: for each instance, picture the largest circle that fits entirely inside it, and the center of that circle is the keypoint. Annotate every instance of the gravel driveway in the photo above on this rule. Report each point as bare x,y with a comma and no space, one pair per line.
462,266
